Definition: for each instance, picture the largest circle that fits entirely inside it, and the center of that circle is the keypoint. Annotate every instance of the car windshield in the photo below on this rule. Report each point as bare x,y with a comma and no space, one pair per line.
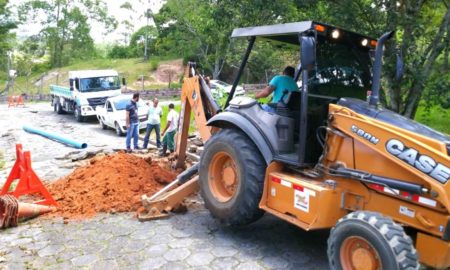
99,84
121,104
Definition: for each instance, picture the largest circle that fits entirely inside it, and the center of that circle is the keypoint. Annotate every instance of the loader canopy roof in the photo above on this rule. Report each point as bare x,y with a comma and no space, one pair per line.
288,33
343,65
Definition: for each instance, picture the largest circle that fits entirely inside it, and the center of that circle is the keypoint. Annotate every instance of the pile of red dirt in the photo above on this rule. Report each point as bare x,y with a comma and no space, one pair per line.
109,184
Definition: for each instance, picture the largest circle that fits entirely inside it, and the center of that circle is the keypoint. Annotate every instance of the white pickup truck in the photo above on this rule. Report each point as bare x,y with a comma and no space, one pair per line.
87,89
113,113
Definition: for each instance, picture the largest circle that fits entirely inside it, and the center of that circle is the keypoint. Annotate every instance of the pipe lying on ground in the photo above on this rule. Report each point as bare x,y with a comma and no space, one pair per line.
55,137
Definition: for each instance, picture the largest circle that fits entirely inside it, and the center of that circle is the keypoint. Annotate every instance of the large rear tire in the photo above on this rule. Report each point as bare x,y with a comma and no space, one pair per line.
232,174
368,240
57,107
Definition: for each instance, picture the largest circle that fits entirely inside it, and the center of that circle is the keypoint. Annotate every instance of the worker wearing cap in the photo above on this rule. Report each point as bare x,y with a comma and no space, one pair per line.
277,86
153,122
169,131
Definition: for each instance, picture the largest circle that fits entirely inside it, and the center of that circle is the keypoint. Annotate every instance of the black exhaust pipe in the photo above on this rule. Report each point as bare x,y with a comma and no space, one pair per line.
375,96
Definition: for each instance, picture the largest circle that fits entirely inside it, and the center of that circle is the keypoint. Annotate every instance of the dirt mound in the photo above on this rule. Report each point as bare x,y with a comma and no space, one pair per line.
111,184
169,71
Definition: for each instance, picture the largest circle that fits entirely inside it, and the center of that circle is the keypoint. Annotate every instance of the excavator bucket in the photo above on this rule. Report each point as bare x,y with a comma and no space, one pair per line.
170,198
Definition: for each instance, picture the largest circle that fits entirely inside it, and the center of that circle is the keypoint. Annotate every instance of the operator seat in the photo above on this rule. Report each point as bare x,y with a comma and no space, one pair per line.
289,104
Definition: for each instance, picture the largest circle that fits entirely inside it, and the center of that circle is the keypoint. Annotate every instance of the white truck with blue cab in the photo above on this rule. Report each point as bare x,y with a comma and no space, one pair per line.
87,90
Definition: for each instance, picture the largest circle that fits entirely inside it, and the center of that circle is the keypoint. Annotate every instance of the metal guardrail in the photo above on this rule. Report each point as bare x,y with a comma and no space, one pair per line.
253,87
145,94
159,93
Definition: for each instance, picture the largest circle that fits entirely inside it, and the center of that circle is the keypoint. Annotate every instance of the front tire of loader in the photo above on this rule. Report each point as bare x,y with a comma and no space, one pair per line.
232,174
368,240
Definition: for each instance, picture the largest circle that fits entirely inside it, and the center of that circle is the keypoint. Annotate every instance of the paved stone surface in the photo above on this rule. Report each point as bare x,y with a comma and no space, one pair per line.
252,247
186,241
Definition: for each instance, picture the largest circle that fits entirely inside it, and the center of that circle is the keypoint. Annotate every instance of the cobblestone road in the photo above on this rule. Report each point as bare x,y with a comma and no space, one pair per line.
193,240
185,241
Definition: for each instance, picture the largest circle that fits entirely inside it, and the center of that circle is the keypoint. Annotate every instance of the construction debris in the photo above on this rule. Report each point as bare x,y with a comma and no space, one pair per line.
109,184
8,211
12,211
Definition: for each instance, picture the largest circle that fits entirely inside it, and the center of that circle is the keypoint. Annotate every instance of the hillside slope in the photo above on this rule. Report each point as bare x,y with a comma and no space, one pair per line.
156,74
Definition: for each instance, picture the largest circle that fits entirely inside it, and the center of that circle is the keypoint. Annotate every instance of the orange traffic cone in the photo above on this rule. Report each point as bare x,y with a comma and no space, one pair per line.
11,101
20,101
31,210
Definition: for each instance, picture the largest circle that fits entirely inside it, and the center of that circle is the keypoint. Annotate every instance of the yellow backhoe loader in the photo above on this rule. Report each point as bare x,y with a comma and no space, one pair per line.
328,157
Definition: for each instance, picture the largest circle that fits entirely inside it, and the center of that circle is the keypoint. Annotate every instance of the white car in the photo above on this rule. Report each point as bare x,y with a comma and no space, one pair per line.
113,114
220,87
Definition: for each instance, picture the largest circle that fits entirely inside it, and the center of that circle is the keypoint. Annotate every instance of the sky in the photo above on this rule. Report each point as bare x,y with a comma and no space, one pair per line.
97,29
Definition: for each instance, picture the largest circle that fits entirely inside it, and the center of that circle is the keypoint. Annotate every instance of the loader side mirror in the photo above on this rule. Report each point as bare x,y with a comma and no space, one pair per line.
308,52
124,82
71,84
399,67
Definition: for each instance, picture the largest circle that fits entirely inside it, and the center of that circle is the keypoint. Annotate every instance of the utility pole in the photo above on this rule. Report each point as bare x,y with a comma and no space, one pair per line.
148,14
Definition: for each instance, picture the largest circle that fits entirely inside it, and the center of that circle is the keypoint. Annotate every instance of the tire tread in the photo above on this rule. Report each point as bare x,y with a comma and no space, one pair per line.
399,242
254,177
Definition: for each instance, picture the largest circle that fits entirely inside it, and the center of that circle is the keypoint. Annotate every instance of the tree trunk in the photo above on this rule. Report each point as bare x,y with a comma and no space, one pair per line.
435,48
219,59
54,61
216,71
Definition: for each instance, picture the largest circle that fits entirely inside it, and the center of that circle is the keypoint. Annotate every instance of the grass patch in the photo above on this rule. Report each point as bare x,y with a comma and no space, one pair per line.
435,117
165,111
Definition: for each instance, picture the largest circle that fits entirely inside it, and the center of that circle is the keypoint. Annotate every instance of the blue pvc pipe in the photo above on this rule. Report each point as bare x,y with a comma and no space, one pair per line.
55,137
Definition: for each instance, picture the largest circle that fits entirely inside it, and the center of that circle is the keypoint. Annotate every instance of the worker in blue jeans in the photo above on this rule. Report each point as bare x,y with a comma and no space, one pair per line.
153,122
132,122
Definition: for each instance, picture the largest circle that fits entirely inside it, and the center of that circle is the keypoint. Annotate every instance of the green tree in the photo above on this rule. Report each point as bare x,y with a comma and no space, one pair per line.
119,51
66,26
137,40
422,35
6,25
128,26
206,29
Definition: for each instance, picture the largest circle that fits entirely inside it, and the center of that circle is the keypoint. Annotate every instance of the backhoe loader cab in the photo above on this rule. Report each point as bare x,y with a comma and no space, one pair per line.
327,158
335,63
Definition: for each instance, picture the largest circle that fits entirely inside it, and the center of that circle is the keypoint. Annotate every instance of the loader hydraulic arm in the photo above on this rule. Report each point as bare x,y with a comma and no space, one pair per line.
196,98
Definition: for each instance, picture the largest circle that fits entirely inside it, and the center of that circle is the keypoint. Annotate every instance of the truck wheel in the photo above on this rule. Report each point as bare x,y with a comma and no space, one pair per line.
368,240
57,108
118,130
232,174
77,113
